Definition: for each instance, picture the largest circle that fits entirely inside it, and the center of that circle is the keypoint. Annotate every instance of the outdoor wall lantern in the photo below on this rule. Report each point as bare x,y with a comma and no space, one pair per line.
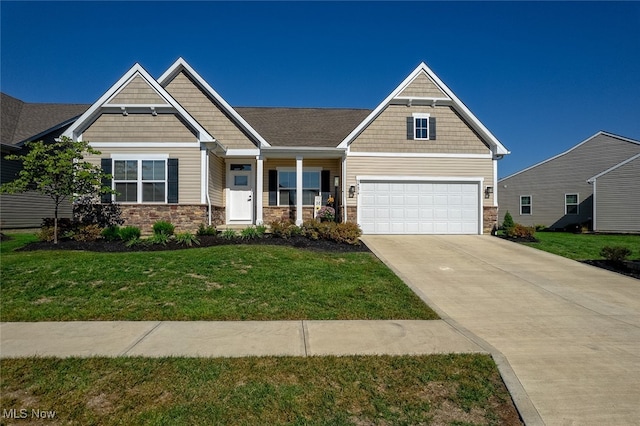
352,191
488,191
336,181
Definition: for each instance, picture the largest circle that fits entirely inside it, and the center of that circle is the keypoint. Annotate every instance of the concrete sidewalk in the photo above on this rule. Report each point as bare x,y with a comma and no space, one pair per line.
230,338
565,335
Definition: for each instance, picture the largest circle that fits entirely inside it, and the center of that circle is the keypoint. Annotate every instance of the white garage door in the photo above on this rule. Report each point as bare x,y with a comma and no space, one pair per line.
418,207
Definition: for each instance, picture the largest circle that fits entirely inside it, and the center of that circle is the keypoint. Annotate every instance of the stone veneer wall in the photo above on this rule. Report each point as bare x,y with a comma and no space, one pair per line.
185,217
489,219
271,213
352,214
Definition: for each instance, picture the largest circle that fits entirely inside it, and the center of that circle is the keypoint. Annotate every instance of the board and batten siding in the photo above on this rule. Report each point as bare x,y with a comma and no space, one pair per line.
617,199
139,128
188,167
333,165
423,167
27,210
137,92
207,113
388,133
547,183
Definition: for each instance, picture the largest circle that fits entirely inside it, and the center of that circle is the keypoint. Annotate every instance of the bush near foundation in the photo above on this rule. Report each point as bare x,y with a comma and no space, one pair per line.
616,254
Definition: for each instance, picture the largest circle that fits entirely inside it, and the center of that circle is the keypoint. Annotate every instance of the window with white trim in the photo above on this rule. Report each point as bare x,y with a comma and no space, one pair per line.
420,126
571,203
287,186
140,181
525,204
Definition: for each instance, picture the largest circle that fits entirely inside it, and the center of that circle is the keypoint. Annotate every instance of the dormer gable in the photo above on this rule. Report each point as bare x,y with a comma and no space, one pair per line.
136,92
219,118
422,88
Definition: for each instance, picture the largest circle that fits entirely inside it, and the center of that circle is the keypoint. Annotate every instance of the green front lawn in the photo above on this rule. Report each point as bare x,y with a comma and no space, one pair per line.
584,246
213,283
440,389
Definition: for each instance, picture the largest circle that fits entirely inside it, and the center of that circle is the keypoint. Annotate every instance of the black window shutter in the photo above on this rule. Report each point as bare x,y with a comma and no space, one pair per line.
410,122
273,187
172,180
106,165
432,128
325,181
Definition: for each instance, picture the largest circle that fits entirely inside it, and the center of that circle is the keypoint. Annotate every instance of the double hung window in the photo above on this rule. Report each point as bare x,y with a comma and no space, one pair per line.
525,204
140,181
571,204
287,187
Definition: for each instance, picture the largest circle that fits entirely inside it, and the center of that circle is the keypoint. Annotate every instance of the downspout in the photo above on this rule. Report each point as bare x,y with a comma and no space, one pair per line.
207,188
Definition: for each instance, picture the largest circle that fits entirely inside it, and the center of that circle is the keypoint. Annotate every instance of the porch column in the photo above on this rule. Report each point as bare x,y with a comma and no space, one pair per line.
298,191
258,190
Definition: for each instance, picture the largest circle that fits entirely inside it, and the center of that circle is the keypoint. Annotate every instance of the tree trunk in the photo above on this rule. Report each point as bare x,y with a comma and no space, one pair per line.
55,224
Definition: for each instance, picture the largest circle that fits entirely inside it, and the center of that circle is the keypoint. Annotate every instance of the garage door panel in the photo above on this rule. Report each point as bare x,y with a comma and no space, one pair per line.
415,207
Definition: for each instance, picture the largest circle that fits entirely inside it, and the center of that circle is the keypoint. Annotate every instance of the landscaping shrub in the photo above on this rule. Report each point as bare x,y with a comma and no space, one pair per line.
130,233
163,227
508,223
261,230
159,238
228,234
206,230
250,233
187,239
347,232
65,226
521,231
326,214
86,233
310,229
616,254
285,229
111,233
87,211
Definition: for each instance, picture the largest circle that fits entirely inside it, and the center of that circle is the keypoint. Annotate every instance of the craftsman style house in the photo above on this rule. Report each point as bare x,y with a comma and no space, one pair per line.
419,163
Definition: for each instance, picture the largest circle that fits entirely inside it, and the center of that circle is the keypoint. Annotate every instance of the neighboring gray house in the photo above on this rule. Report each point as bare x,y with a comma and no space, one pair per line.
555,193
22,122
616,197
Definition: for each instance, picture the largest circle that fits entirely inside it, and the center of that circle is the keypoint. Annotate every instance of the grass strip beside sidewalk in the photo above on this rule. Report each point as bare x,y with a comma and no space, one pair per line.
442,389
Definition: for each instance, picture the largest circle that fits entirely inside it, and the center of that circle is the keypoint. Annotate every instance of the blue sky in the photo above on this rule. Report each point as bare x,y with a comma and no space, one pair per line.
542,76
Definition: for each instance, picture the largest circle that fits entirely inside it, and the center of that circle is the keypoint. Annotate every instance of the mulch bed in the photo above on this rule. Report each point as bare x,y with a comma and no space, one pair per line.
624,268
205,241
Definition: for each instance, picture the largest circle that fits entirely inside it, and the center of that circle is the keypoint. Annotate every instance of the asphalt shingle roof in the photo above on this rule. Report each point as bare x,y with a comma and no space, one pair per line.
20,120
304,127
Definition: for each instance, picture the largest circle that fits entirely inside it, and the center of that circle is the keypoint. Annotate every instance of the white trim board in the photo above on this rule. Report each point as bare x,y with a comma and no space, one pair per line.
610,169
416,155
145,144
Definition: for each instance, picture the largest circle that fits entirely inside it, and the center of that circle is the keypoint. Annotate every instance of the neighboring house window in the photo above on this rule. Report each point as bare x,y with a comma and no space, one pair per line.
287,187
421,127
140,181
525,204
571,204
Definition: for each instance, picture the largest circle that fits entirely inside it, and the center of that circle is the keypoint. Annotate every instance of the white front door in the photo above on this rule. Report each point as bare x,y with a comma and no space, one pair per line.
240,202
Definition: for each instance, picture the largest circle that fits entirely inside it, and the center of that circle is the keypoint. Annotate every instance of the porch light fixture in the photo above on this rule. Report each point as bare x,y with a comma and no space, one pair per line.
352,191
488,191
336,181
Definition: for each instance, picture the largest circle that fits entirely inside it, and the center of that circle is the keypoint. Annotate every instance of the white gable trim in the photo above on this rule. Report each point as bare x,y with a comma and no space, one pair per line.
571,149
181,64
75,131
610,169
496,146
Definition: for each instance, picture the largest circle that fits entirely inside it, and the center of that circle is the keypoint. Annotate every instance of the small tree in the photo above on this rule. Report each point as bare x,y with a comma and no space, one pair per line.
508,223
58,171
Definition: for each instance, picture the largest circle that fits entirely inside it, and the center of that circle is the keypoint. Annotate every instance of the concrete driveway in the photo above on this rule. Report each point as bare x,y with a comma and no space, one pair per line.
570,332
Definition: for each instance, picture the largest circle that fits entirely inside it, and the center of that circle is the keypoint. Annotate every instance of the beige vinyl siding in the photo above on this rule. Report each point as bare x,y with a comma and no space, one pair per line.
547,183
207,113
618,199
388,133
139,128
27,210
216,180
333,165
428,167
188,168
137,92
423,86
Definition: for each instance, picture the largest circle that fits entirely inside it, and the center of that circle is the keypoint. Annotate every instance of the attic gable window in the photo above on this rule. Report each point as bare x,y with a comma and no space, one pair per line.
421,127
